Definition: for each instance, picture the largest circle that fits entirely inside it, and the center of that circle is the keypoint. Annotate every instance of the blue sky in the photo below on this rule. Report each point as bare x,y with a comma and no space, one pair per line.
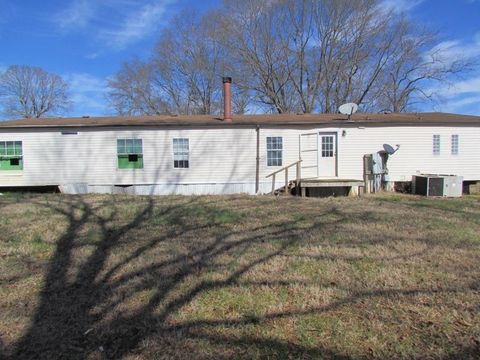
85,41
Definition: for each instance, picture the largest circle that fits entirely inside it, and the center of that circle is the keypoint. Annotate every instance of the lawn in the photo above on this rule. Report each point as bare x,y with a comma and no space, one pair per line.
100,276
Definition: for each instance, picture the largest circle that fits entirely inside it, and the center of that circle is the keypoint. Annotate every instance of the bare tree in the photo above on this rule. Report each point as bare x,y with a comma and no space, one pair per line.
188,62
32,92
314,55
303,61
418,68
253,31
183,75
356,45
132,91
288,56
309,55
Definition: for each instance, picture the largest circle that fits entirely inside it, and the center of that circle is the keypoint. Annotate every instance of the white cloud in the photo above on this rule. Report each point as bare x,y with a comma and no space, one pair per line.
453,50
463,95
399,5
116,23
88,93
136,25
462,105
85,81
77,15
471,85
91,56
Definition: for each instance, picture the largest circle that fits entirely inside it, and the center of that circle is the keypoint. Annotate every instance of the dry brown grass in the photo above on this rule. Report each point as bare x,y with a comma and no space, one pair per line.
239,277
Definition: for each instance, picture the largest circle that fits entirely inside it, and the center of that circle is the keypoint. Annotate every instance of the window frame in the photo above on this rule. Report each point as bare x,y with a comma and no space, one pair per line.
11,153
272,148
179,149
436,144
328,147
130,151
455,144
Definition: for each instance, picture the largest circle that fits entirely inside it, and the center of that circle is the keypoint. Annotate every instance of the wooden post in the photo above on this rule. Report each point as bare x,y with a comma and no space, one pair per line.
354,191
286,181
297,185
257,165
286,185
365,175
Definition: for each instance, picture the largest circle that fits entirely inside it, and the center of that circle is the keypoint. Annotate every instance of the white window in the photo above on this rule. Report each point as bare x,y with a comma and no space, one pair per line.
436,144
11,155
454,144
274,150
130,153
327,146
180,153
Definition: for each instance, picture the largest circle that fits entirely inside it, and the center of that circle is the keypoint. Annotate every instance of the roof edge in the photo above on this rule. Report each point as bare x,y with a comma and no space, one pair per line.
361,119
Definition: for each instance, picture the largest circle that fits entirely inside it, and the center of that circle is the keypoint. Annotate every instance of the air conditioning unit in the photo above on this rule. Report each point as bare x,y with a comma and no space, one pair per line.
437,185
453,186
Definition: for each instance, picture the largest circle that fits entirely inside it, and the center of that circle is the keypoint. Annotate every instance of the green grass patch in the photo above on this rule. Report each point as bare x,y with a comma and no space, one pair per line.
101,276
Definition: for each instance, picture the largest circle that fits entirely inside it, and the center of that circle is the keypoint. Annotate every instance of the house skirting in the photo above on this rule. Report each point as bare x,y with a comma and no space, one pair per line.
168,189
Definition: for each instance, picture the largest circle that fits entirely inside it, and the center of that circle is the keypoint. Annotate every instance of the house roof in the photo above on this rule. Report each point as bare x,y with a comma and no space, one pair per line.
391,119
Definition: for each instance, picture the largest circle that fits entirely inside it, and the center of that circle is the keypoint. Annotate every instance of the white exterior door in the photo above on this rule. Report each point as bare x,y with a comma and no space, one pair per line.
309,155
327,155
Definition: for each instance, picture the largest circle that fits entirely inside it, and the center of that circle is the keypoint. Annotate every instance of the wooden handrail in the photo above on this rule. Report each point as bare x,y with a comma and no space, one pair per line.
285,168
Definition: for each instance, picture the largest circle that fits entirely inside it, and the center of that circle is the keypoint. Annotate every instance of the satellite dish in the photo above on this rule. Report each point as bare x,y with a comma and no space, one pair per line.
348,109
389,149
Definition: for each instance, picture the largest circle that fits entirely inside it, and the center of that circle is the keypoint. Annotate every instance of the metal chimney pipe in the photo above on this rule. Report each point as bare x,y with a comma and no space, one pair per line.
227,99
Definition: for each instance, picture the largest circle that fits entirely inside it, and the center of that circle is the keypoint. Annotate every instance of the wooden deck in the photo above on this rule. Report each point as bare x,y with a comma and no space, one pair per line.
322,182
301,184
353,184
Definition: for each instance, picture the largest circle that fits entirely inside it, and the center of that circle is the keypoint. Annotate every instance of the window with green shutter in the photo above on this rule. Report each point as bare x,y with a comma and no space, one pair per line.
11,155
130,153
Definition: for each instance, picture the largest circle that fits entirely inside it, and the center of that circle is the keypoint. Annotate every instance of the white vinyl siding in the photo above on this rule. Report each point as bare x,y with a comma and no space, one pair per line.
414,156
224,158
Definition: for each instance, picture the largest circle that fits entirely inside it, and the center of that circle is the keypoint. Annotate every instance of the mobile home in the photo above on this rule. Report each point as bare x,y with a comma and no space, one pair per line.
203,154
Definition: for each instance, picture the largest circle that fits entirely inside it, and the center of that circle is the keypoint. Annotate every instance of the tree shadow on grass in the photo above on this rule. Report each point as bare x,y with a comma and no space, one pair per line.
105,305
451,207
